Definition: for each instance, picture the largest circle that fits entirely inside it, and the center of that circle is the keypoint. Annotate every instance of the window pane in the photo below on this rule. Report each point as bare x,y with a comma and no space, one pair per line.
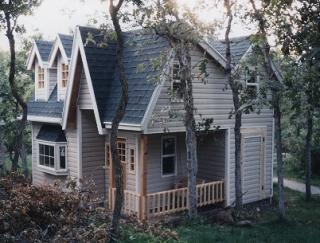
51,151
41,149
168,146
168,165
62,157
51,162
41,160
46,161
175,72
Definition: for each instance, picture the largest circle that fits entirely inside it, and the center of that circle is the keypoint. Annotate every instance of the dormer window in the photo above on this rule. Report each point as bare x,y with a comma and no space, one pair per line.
176,84
252,83
64,75
40,77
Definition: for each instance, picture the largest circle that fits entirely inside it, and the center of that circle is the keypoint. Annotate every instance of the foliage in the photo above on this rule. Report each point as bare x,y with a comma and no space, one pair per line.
50,213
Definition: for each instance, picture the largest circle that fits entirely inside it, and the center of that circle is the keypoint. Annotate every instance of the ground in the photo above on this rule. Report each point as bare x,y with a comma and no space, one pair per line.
302,225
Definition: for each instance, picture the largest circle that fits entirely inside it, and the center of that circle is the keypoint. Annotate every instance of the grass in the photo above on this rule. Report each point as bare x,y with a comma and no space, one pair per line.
302,225
7,163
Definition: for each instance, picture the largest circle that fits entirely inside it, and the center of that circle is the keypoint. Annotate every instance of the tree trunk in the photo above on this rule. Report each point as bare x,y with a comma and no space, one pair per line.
114,229
280,164
183,53
238,112
14,90
308,154
276,92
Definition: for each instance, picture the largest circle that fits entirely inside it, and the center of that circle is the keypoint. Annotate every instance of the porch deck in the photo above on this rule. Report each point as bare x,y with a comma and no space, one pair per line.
170,201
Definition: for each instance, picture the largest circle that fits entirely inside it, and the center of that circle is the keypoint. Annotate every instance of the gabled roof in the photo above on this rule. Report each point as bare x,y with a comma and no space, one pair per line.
238,47
63,45
139,50
51,108
44,48
66,41
40,50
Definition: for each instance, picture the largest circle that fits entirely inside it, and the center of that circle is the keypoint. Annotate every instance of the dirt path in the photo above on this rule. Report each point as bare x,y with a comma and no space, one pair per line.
298,186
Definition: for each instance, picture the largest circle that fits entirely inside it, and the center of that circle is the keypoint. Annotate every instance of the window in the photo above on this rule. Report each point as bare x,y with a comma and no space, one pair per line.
168,156
40,77
252,83
132,160
53,157
64,75
46,155
121,143
108,155
122,149
176,86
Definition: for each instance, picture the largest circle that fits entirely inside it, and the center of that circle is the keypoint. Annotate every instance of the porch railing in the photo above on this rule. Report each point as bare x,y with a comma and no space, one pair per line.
176,200
170,201
131,202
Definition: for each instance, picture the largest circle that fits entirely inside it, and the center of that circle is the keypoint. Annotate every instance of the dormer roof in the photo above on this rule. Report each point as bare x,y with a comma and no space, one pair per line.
63,45
40,50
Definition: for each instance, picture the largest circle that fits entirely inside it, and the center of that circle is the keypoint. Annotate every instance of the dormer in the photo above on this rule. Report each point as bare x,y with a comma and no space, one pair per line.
59,61
38,62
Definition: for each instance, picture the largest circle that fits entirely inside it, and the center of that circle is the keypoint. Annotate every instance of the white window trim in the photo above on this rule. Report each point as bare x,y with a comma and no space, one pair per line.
56,170
175,99
257,81
135,159
169,155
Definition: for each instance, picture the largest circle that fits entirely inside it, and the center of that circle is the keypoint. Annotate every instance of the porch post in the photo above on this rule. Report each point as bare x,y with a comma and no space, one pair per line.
111,184
143,177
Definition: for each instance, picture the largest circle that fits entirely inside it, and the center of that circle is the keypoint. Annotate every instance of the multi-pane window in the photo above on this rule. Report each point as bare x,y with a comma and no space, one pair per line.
108,155
64,75
176,83
53,156
40,77
252,83
121,143
132,160
46,155
168,156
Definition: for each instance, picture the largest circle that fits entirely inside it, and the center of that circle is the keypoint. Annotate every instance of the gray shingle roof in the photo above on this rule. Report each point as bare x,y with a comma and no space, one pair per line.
44,48
67,41
238,47
139,49
52,133
51,108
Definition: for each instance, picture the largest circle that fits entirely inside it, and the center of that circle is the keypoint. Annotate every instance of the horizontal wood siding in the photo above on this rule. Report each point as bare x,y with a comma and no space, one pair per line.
93,152
73,161
156,182
211,157
212,100
84,98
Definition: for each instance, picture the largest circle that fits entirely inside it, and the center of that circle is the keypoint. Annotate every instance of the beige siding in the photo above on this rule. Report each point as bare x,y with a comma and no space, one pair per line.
84,98
213,100
73,161
155,181
93,152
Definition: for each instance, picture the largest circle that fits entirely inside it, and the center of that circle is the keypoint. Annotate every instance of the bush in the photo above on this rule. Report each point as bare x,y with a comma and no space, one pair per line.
51,213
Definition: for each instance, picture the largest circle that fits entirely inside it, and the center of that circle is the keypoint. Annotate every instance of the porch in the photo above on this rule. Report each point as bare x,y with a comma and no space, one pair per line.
170,201
161,182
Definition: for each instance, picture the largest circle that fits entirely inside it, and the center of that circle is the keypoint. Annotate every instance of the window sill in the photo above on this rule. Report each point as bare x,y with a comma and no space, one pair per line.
53,171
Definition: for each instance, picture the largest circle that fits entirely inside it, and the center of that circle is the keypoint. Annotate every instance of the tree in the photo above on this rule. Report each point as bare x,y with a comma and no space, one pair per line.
119,114
10,11
275,87
235,88
183,31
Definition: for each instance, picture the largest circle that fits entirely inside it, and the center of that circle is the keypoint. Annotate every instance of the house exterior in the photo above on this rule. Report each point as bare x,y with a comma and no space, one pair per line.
76,93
